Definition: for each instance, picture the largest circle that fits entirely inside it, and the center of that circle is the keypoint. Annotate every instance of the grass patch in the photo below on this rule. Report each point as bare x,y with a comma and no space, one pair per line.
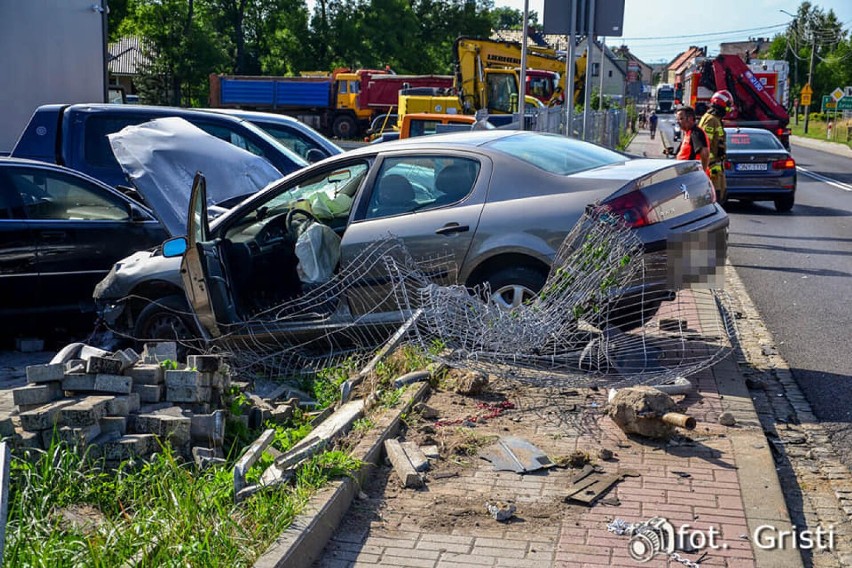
817,129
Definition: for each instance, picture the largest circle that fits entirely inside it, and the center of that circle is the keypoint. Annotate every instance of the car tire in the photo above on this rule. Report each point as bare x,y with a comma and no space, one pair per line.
785,204
510,287
165,319
344,126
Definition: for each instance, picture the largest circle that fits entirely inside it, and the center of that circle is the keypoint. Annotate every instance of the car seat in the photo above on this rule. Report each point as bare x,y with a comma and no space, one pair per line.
453,183
394,195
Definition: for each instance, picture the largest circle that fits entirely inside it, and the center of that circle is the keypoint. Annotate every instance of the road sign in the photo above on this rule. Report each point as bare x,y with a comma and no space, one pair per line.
829,104
807,90
806,98
837,94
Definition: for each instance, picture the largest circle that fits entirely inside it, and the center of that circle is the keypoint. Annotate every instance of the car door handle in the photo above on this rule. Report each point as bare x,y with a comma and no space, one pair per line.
451,228
53,236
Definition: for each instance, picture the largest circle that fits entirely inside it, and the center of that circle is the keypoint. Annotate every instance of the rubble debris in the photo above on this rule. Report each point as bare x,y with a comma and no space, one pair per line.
425,411
591,485
680,385
249,458
339,423
405,471
417,458
515,454
90,397
727,419
470,383
500,510
647,412
431,452
605,454
574,460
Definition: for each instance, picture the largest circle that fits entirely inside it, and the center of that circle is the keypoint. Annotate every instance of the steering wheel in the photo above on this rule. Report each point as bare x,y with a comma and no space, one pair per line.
290,221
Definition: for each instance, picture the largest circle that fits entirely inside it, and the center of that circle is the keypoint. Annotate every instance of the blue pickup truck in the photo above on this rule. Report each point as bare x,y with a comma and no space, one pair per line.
75,136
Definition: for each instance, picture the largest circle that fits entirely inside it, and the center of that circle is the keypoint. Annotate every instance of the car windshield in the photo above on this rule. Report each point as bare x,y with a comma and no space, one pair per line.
556,154
753,141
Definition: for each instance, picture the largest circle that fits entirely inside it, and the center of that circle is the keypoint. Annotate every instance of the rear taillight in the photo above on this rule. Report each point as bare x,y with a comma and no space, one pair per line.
782,132
633,208
728,165
788,164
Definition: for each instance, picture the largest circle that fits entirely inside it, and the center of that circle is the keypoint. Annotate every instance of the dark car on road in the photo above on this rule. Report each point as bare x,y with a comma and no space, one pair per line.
759,168
60,233
499,203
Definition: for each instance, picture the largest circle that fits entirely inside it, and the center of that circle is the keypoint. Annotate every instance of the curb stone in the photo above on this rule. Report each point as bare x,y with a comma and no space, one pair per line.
304,541
809,465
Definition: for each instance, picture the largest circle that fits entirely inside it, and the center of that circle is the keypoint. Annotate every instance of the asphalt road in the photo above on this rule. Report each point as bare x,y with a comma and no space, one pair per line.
797,268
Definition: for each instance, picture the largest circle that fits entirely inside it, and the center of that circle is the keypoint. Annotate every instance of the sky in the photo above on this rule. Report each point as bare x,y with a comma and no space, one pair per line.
657,30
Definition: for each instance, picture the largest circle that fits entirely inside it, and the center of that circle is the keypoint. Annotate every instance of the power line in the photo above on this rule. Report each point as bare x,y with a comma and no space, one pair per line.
656,38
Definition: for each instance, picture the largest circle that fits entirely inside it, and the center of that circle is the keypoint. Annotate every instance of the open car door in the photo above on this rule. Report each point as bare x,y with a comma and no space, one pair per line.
203,272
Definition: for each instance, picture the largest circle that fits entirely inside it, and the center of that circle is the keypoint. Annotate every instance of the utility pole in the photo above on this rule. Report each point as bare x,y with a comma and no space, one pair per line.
810,78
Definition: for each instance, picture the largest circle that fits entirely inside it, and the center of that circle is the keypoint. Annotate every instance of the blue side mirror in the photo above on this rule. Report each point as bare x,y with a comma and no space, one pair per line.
174,247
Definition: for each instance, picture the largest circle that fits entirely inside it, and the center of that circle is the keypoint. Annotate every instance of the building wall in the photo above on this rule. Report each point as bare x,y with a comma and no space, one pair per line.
51,51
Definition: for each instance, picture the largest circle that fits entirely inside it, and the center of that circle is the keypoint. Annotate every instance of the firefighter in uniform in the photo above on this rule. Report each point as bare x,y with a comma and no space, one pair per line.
711,123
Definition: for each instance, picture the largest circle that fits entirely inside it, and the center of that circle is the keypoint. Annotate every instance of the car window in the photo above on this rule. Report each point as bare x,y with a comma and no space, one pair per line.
558,155
228,135
11,206
753,141
55,195
328,196
291,139
414,183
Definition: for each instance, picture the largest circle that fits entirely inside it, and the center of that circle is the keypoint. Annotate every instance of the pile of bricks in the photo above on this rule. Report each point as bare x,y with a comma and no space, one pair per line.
123,405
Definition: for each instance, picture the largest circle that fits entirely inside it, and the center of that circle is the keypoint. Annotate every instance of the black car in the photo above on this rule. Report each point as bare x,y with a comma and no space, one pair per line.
60,233
759,168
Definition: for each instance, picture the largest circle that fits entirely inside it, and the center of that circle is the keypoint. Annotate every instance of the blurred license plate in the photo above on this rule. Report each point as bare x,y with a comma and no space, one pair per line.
751,167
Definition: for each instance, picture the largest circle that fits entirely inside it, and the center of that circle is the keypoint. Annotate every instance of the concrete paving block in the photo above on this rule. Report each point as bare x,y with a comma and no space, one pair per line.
206,457
281,413
158,352
146,374
88,351
123,405
114,424
188,394
204,363
41,393
45,417
7,426
118,384
129,446
149,393
175,429
96,447
84,412
208,428
79,383
23,439
128,358
105,365
79,436
45,373
187,378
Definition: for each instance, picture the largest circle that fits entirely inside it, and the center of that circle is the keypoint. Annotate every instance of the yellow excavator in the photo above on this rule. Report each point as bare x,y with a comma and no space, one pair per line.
487,74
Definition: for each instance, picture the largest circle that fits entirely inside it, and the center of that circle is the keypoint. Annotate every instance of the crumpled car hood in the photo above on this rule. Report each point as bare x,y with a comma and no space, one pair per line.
162,156
128,272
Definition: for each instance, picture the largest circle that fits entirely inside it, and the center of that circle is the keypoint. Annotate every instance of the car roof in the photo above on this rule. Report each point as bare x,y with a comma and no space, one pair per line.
466,139
9,160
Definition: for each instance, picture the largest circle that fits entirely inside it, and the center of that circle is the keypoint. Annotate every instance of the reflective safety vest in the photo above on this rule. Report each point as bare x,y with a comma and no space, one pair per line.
712,127
686,150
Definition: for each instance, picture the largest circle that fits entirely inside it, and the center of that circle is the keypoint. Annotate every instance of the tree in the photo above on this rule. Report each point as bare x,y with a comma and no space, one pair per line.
181,47
505,18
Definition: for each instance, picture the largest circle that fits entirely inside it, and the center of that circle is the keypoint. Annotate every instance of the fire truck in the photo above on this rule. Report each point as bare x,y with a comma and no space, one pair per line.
760,90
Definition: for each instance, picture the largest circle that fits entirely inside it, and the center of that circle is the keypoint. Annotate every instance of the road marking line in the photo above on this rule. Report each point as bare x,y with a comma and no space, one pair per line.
828,180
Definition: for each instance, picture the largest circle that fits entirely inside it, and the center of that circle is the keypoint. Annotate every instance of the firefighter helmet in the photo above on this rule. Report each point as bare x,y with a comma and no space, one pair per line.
722,99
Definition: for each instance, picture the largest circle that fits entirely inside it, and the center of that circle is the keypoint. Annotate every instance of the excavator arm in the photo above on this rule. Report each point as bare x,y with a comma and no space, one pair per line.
475,58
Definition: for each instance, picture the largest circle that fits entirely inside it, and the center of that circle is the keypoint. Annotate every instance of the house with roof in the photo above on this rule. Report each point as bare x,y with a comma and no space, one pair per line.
124,62
675,69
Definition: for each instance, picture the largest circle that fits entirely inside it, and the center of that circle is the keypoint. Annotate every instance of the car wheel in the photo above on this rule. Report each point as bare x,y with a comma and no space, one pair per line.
165,319
511,287
344,126
784,204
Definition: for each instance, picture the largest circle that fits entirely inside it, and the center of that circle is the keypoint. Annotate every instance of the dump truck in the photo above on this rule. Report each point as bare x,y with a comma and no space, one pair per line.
340,104
759,91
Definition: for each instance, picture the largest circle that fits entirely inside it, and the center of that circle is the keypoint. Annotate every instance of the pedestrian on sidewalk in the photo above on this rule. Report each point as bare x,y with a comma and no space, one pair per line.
652,123
694,144
711,123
